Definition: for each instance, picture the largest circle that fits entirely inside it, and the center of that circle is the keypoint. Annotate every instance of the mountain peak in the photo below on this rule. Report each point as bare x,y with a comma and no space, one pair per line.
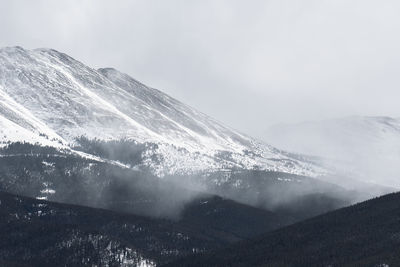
12,49
49,93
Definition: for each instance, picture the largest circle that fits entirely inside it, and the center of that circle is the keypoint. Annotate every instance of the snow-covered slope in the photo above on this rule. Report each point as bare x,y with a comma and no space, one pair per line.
50,98
369,146
12,132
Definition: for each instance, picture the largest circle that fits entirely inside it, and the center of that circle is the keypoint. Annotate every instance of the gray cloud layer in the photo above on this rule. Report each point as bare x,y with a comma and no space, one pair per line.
247,63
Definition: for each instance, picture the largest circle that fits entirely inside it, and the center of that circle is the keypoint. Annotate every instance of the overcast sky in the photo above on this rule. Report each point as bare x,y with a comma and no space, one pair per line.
249,64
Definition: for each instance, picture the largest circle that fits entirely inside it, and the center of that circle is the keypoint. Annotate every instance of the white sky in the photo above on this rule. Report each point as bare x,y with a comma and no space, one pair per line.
249,64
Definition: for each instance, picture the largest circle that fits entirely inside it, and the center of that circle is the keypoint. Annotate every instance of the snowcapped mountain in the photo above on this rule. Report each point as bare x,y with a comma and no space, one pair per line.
369,147
50,98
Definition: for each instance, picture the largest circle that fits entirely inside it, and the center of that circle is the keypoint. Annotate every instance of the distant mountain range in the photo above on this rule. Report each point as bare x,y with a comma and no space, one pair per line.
367,148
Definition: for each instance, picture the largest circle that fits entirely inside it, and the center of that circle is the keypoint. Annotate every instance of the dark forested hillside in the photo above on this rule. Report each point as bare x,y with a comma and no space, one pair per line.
366,234
41,233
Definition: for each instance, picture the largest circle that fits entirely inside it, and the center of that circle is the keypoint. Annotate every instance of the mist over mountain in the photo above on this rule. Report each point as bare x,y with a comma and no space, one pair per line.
366,148
199,133
95,140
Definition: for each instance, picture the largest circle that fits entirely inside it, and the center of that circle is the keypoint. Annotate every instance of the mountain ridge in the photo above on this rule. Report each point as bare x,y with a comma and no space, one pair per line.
61,99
